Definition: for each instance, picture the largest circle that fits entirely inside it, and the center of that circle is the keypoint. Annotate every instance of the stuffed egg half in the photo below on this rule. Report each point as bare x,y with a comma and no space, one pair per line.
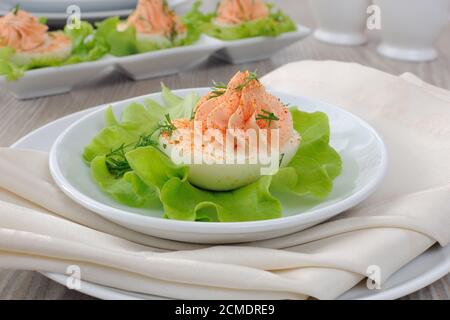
157,26
239,132
31,40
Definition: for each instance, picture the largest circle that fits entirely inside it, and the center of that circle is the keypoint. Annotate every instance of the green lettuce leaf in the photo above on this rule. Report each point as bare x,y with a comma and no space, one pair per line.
128,190
177,107
86,45
193,20
316,164
138,120
147,46
170,99
274,25
7,68
120,43
183,201
141,175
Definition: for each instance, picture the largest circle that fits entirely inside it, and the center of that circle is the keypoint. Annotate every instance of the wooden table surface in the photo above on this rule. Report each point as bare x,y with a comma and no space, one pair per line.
17,118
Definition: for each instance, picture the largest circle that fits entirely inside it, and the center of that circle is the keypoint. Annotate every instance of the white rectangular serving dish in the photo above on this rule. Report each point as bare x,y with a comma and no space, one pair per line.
259,48
54,80
169,61
58,80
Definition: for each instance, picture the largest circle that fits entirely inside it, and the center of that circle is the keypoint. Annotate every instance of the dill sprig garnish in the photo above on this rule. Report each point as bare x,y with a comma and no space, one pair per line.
281,160
251,77
16,9
194,112
146,141
117,163
167,126
219,85
218,89
267,116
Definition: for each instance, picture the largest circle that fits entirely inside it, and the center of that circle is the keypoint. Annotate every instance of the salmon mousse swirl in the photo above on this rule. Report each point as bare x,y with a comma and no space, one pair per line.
245,104
22,31
31,40
156,18
239,11
235,123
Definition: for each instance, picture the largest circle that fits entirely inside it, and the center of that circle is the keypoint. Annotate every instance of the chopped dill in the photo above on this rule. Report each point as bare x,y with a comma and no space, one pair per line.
267,116
218,89
253,76
173,33
167,126
16,9
145,141
281,159
219,85
194,112
117,163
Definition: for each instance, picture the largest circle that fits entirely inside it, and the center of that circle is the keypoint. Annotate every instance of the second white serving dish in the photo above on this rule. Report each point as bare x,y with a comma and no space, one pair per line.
364,164
259,48
58,80
167,61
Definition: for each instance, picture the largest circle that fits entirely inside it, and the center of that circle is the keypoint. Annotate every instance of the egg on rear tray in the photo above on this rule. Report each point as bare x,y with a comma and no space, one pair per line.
56,47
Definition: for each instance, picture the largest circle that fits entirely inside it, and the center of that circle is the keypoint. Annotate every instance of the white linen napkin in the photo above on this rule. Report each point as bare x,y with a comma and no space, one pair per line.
41,229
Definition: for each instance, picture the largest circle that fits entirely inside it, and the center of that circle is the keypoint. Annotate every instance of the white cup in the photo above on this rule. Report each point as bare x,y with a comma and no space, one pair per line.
409,28
340,22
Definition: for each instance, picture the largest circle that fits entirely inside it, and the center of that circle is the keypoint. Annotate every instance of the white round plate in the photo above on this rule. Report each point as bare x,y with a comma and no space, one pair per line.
364,164
60,6
422,271
56,19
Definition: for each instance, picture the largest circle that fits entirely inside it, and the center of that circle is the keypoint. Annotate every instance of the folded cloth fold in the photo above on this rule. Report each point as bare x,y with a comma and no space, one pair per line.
26,175
134,282
42,229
